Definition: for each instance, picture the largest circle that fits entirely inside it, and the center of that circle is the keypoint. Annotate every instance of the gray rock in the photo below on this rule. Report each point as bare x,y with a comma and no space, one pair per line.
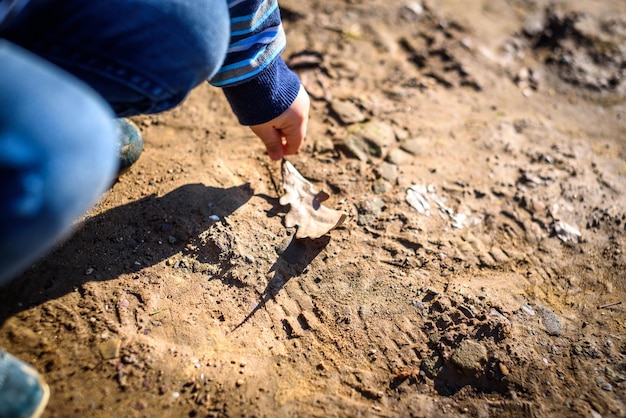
379,134
369,210
323,145
398,157
368,139
347,112
551,322
415,146
388,172
381,186
354,148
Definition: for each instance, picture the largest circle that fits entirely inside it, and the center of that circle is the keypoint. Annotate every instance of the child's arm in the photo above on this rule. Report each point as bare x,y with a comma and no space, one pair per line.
262,91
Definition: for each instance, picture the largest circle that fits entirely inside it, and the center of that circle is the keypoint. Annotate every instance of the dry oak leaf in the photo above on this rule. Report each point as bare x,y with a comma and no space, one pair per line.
307,212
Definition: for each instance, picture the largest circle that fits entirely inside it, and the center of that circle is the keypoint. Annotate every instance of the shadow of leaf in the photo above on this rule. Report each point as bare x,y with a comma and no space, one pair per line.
292,262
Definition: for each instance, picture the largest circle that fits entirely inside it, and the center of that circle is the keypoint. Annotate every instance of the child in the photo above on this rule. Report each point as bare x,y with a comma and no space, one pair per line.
70,67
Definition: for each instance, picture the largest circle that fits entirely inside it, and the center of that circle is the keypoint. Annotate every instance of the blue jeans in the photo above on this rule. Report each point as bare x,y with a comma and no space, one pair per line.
67,68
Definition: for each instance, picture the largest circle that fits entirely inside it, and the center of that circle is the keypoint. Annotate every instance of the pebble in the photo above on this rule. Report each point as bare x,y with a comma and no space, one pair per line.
140,405
110,349
566,232
469,356
415,7
381,186
354,148
379,133
417,304
604,384
534,24
503,369
414,146
323,145
374,137
494,313
526,308
417,197
388,172
347,112
129,359
551,322
398,157
370,210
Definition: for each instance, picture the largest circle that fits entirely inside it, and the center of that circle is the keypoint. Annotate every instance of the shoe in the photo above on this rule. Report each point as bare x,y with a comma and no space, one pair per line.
23,393
130,143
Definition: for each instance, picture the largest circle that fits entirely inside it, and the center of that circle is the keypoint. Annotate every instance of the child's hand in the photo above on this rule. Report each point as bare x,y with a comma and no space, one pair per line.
284,134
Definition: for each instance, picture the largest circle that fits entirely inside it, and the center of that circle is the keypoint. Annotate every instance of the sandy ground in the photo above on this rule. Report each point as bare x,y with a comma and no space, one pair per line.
478,150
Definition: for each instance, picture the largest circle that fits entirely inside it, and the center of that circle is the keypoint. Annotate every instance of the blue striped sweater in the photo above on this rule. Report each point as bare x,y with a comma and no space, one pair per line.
255,79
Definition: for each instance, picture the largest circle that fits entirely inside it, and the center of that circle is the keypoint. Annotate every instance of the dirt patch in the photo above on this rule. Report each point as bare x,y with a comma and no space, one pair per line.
478,150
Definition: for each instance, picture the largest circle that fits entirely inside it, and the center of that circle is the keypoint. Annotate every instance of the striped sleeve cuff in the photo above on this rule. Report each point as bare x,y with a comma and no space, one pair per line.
266,96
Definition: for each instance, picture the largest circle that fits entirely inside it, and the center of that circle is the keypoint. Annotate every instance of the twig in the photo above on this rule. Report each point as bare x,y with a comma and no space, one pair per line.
610,305
158,311
277,183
